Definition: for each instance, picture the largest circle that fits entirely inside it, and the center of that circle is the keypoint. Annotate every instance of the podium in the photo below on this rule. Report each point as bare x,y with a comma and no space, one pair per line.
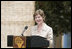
27,41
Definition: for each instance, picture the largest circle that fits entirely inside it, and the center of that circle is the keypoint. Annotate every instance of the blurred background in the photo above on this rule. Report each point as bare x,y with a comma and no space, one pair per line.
58,16
15,15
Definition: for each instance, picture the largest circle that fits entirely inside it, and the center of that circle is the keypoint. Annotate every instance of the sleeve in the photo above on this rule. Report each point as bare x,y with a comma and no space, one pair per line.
31,30
50,38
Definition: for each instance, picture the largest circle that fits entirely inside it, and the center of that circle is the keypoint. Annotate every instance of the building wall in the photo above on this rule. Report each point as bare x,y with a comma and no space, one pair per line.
66,40
15,15
58,41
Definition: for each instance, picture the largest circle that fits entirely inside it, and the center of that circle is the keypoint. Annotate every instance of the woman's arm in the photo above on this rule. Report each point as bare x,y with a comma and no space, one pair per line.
50,38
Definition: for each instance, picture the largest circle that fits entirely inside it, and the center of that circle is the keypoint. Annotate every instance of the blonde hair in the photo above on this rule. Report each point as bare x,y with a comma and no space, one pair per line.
40,12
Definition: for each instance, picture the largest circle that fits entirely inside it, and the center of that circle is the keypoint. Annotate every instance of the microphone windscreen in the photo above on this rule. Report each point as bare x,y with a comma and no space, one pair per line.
26,27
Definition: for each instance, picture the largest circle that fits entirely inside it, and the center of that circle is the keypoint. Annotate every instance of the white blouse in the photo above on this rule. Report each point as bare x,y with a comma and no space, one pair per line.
45,32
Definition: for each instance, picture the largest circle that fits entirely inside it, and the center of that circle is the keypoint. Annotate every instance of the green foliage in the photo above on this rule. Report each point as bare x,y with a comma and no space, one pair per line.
58,15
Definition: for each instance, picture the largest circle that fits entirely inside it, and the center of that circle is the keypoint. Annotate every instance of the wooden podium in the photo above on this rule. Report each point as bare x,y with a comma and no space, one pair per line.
27,41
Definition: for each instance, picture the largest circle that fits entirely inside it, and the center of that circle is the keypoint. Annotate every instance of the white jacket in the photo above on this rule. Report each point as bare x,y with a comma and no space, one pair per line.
46,32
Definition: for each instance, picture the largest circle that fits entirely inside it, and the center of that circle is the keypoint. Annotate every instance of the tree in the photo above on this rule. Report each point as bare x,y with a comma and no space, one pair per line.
58,15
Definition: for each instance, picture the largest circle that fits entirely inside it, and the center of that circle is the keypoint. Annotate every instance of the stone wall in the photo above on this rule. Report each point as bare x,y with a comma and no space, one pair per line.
15,15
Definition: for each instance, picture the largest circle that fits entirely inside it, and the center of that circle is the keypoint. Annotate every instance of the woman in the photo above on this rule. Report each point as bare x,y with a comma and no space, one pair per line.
42,29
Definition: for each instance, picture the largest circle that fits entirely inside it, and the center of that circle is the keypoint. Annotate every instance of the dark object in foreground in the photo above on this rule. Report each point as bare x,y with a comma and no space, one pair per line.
37,41
31,41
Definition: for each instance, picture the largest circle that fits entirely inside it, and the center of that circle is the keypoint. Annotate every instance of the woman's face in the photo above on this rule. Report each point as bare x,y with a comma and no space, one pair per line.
38,19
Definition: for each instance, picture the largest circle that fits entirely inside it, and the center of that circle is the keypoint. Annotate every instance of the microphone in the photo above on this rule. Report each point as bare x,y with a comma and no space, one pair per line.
24,30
